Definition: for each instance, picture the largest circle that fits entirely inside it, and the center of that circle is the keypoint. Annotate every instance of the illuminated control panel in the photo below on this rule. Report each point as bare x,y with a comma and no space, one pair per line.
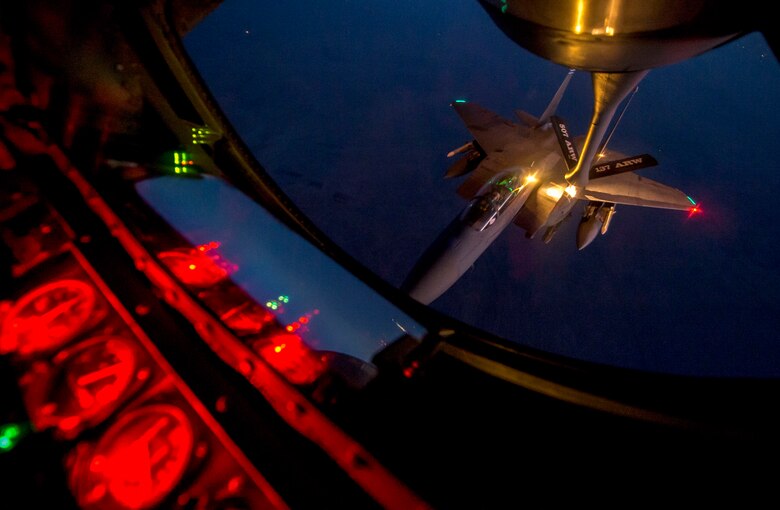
135,435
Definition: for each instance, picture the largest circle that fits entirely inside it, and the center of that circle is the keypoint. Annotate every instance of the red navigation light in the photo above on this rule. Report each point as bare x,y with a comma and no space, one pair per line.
49,316
290,356
198,267
696,209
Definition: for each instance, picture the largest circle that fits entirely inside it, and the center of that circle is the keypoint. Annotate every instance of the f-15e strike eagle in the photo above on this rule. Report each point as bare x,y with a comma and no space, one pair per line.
531,174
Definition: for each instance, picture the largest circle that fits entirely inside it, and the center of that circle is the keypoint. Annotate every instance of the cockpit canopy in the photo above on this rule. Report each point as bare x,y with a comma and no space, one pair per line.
493,199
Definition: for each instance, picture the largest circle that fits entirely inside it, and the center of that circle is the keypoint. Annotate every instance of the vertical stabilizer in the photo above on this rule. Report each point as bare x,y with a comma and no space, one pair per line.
550,110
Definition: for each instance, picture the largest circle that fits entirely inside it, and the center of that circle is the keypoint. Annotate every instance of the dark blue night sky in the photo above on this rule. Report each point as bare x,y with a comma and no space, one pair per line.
346,104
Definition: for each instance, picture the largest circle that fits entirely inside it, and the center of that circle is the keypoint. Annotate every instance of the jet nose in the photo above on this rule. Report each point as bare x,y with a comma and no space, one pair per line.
426,283
439,267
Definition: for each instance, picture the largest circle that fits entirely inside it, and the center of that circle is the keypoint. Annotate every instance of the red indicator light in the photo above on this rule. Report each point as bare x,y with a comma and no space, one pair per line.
411,369
289,355
234,484
221,404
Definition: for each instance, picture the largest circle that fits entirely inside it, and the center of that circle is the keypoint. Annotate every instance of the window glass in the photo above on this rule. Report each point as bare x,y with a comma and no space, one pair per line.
350,106
327,306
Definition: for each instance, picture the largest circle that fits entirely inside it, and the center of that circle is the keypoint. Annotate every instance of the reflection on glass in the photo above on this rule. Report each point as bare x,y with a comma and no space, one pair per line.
347,106
312,297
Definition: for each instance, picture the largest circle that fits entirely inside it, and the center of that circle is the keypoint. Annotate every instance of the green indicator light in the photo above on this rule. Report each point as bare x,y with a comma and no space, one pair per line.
10,436
179,163
12,431
503,9
203,135
692,201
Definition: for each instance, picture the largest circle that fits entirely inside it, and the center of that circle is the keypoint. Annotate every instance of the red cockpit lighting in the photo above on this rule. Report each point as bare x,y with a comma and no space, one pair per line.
139,461
48,317
290,356
248,318
197,267
92,380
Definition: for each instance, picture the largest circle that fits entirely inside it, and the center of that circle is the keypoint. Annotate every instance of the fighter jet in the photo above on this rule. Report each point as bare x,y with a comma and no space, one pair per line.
530,173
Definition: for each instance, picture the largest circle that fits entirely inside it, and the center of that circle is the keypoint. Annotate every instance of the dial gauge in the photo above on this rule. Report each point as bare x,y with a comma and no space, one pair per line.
92,380
49,316
138,462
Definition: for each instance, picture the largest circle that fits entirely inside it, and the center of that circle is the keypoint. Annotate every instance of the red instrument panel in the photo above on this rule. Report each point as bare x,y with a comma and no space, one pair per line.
49,316
137,462
89,382
138,438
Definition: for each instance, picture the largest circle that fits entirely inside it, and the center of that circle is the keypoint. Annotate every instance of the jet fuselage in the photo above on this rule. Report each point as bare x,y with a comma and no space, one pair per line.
532,164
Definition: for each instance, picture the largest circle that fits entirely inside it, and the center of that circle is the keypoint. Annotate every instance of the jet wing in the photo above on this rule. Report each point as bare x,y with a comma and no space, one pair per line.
632,189
489,129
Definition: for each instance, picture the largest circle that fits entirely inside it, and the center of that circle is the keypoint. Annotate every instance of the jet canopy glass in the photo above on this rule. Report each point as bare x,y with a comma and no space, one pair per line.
493,199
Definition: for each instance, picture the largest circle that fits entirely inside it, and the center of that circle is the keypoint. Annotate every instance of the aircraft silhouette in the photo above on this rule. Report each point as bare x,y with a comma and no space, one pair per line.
531,174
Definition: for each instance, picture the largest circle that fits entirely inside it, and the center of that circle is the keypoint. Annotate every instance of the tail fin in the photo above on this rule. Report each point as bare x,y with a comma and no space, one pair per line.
550,110
569,150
